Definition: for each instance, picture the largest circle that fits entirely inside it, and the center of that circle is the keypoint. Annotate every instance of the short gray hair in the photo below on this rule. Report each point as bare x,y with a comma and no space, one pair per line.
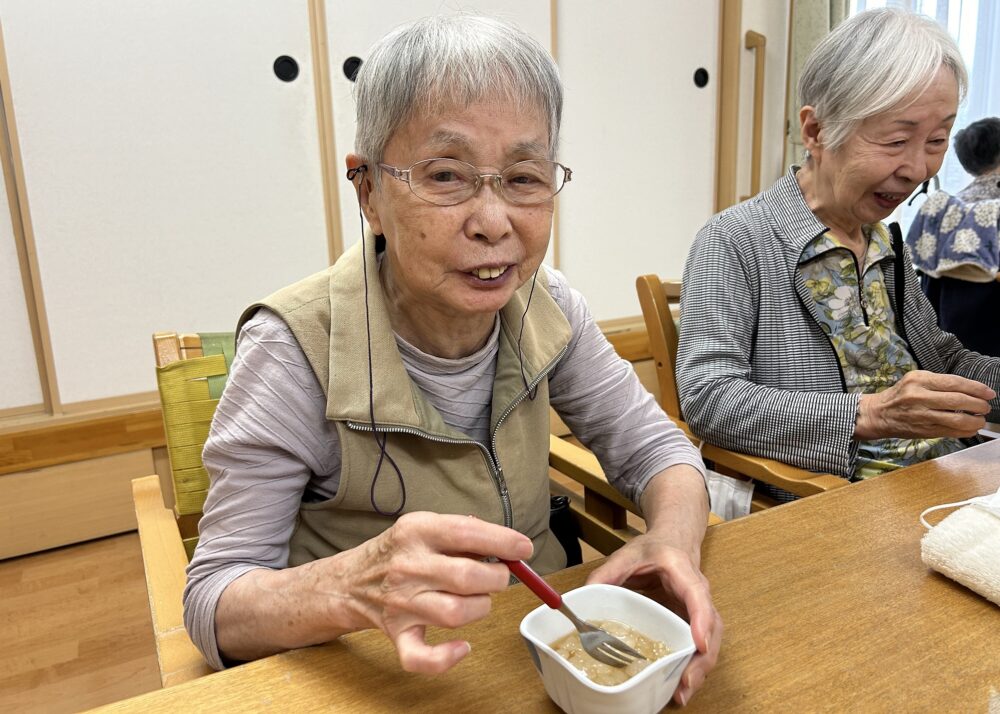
451,59
871,63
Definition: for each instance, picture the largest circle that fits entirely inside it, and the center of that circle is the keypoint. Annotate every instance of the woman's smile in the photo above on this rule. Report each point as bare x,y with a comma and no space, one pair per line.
491,275
449,269
889,201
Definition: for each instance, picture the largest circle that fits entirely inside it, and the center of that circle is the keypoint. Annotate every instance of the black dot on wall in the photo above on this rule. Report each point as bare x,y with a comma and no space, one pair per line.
700,77
286,68
351,67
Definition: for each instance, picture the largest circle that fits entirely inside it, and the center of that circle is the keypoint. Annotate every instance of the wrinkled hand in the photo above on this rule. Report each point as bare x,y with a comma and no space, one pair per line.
925,404
656,565
425,570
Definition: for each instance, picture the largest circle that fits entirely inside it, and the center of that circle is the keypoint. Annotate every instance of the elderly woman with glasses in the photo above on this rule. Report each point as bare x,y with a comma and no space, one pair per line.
374,407
805,336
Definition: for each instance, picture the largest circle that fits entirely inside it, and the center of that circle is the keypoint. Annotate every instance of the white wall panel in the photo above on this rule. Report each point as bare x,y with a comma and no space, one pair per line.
640,137
19,385
172,177
353,27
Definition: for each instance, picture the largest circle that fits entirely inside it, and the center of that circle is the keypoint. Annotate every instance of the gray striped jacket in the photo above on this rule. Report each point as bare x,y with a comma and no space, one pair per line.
755,370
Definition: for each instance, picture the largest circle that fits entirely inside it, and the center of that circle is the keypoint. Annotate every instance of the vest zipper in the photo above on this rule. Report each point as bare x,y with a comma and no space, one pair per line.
501,482
492,459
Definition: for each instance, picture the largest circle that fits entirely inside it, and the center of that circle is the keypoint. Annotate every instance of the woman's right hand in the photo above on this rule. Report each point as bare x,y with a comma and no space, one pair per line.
424,570
924,405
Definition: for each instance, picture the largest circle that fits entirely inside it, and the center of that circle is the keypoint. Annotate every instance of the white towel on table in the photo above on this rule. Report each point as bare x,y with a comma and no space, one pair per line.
965,546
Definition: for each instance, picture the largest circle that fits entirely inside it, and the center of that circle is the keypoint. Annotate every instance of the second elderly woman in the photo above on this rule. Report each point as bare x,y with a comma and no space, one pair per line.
962,300
374,407
805,336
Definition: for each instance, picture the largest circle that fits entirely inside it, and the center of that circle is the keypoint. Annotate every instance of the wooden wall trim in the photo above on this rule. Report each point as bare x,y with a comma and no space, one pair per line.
40,442
730,48
629,337
554,43
24,239
789,128
329,170
107,406
27,410
53,442
69,503
757,43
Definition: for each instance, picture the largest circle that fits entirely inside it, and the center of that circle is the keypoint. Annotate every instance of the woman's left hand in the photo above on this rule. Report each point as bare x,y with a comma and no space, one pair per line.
664,564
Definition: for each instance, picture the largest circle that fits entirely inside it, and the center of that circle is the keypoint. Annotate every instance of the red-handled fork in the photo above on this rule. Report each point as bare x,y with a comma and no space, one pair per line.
599,644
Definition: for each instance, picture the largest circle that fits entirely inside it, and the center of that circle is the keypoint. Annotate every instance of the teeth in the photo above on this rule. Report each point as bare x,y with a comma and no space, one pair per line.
489,273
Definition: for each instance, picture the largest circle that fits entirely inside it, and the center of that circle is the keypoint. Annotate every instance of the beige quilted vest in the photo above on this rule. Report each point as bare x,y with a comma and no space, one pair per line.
443,470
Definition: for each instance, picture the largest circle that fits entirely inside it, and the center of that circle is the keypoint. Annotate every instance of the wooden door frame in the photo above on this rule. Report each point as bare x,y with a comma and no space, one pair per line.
27,255
727,141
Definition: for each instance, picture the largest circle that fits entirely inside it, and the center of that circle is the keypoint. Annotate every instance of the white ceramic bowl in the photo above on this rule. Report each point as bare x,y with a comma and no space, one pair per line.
648,691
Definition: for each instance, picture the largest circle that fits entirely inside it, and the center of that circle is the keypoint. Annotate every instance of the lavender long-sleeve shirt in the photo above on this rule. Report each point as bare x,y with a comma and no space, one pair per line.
271,446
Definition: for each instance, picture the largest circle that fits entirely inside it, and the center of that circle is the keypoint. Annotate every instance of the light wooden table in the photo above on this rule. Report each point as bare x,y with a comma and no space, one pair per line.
826,603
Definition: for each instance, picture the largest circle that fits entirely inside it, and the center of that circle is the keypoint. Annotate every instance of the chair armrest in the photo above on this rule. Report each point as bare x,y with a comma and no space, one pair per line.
584,468
603,519
778,474
164,561
601,513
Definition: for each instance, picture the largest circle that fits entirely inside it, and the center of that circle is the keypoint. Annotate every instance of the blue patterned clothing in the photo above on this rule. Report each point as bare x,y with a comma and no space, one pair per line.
955,238
861,325
983,188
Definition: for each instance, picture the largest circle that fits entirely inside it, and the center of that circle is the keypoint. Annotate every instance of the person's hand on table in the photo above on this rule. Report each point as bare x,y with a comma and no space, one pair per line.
665,562
425,570
925,404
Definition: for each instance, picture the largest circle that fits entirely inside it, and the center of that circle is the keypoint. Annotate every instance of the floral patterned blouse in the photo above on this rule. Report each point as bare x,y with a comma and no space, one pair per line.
861,324
954,237
983,188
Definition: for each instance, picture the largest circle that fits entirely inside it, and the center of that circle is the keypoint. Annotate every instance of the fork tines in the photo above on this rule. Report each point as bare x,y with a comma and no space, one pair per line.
620,652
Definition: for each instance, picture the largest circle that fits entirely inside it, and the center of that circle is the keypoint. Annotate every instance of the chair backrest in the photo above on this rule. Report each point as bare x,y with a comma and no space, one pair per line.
657,297
191,372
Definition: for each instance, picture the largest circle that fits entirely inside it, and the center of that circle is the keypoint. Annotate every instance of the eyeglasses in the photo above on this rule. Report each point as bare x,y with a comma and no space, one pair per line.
448,182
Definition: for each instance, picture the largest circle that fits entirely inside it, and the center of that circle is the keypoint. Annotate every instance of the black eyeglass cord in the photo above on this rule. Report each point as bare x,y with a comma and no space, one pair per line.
923,189
381,437
532,391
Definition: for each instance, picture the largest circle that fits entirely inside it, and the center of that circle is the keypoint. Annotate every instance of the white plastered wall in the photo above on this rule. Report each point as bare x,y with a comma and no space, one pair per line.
172,178
640,137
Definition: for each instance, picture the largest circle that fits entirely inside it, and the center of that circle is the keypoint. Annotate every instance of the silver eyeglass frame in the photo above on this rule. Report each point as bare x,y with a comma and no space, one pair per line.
405,174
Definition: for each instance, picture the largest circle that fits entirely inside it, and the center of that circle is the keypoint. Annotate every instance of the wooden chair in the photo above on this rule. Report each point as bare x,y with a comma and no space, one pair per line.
164,560
191,372
656,297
